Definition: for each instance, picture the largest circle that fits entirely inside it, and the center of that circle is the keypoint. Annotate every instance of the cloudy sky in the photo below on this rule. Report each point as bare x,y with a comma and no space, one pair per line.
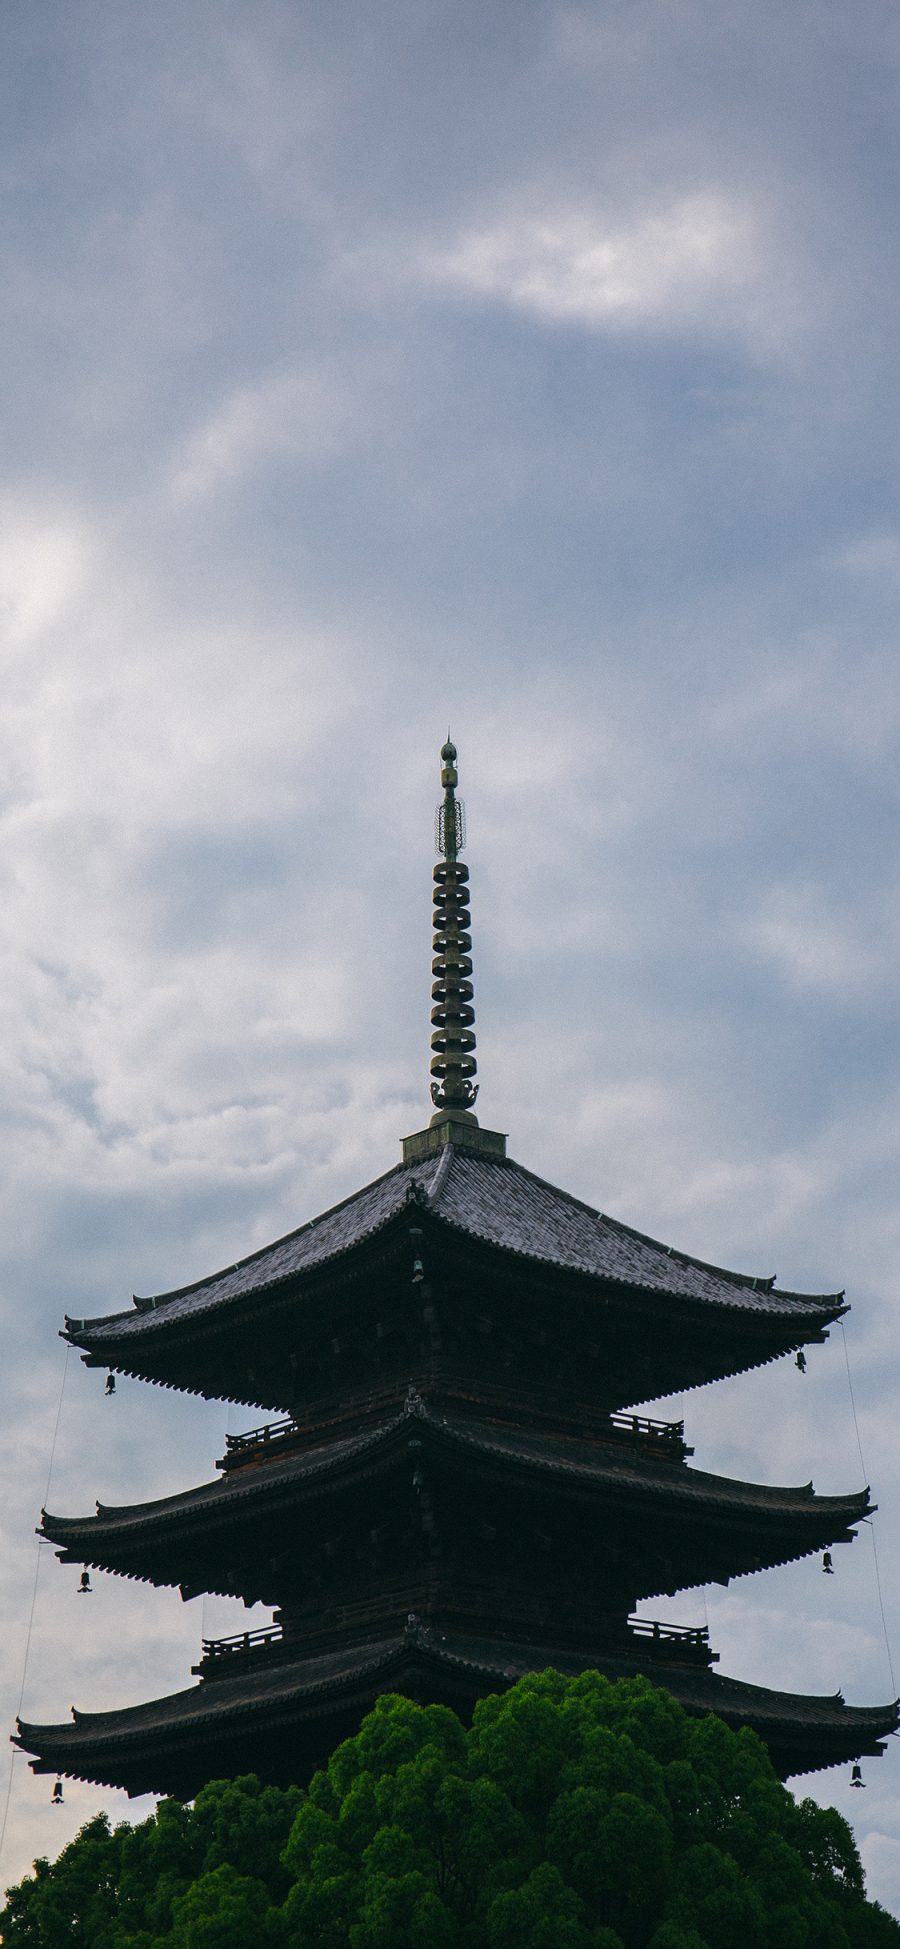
369,368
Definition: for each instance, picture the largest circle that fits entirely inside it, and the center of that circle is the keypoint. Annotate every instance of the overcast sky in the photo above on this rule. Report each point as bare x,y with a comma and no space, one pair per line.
368,368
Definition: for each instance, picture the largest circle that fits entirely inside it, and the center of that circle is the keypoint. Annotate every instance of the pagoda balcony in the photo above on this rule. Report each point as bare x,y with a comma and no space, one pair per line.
661,1440
676,1644
644,1638
222,1657
282,1434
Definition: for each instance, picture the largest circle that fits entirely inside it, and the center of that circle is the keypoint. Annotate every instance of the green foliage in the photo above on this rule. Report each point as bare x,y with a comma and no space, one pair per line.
574,1814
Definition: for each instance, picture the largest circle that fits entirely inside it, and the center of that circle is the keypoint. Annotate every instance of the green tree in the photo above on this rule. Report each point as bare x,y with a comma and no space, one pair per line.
573,1814
221,1909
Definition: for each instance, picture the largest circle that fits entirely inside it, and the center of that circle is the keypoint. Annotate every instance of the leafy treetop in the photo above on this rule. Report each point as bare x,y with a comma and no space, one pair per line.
574,1814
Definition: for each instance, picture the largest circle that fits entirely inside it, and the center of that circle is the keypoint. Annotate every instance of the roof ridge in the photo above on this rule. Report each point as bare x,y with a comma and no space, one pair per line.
231,1487
756,1282
852,1506
451,1647
149,1303
569,1197
262,1251
649,1467
517,1212
442,1173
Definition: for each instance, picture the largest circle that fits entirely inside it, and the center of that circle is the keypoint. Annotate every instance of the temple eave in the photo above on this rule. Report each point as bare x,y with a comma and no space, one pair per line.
470,1466
493,1204
476,1474
291,1718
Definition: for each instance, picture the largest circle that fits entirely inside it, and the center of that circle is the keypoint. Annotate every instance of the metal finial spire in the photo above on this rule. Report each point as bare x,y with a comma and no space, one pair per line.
453,1064
454,1124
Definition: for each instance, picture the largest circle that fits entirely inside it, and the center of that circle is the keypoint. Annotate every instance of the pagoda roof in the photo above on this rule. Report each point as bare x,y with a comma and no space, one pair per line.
488,1201
763,1524
175,1743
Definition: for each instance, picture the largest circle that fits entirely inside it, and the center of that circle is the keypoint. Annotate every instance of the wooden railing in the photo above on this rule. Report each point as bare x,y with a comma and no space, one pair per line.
690,1638
639,1428
644,1428
260,1437
242,1641
668,1641
218,1655
682,1634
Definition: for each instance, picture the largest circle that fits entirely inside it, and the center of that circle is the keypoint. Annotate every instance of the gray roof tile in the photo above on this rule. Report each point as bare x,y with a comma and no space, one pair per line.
494,1201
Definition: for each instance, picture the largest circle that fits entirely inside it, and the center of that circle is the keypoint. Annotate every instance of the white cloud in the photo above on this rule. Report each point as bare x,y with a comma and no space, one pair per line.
811,945
880,1854
217,748
302,414
687,263
873,555
43,564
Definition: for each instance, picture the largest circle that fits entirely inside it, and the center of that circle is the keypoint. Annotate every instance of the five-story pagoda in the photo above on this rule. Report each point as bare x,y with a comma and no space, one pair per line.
456,1491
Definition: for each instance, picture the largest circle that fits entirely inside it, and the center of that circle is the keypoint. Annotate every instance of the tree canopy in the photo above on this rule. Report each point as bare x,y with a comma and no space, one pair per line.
573,1814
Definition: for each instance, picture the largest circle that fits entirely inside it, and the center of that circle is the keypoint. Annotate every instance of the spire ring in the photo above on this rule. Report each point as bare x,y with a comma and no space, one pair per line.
453,1064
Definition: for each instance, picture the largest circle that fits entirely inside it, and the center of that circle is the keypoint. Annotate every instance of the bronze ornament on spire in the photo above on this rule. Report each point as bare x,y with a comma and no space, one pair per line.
453,1064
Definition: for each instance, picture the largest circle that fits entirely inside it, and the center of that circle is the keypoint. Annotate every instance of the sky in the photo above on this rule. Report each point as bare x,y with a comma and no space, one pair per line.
531,370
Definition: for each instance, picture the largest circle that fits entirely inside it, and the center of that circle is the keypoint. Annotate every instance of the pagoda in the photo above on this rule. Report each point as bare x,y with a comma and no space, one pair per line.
455,1489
